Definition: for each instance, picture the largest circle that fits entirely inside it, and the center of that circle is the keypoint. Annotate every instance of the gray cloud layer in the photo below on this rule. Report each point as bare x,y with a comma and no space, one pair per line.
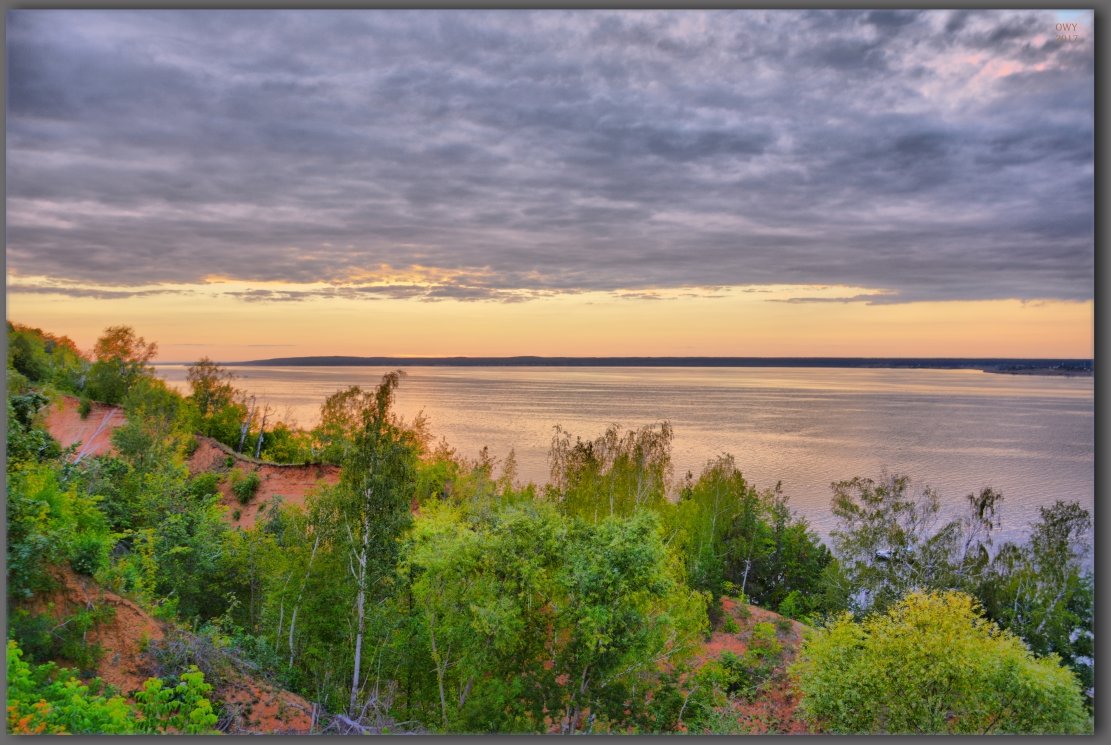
553,151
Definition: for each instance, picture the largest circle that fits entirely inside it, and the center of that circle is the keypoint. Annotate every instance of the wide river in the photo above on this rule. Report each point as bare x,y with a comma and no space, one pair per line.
1030,437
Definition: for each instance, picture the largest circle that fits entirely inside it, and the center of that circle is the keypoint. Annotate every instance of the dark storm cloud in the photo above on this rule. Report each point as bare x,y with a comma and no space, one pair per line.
508,155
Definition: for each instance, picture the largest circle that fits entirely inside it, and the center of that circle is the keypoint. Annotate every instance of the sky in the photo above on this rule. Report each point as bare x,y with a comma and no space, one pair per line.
251,184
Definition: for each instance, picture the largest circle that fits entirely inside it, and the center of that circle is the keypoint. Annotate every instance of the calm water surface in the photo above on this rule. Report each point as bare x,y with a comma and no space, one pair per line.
1030,437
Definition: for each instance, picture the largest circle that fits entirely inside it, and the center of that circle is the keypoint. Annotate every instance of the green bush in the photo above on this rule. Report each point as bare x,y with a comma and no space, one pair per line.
933,664
84,407
204,485
737,676
730,625
42,637
72,642
245,487
743,675
33,632
44,512
46,699
184,707
88,553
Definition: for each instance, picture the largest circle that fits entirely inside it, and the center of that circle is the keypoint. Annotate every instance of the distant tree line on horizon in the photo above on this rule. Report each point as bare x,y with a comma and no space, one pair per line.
989,364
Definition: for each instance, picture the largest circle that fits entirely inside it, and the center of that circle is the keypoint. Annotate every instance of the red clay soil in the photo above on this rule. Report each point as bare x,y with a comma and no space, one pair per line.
289,483
775,708
94,432
123,636
256,706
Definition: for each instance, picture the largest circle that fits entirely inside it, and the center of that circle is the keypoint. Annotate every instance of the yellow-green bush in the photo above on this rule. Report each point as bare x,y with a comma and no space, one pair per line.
933,664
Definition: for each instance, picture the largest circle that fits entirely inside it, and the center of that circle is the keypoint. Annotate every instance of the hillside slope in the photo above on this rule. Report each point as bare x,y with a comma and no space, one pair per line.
775,707
289,483
94,432
127,639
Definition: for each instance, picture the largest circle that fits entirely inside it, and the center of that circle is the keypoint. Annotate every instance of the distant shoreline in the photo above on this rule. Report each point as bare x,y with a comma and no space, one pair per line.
1059,372
1005,366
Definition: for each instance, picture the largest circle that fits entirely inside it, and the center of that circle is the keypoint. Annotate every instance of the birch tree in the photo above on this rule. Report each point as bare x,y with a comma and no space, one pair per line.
373,498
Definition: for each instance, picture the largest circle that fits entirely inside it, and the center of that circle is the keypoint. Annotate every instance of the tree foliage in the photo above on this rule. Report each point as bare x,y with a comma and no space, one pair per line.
614,474
933,664
735,536
524,612
889,542
46,699
42,358
122,359
1044,591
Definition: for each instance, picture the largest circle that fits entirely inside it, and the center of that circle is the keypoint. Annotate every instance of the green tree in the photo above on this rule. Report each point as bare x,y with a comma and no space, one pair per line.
122,359
217,403
26,355
370,507
933,665
626,612
731,533
615,474
1043,590
889,542
212,386
156,431
50,519
340,417
45,359
28,442
523,612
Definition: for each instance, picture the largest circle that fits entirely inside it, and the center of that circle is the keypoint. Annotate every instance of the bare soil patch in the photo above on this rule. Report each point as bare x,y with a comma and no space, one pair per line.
252,706
290,484
94,433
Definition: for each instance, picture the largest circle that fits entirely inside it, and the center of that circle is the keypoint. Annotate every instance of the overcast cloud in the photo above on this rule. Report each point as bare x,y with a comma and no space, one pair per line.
508,155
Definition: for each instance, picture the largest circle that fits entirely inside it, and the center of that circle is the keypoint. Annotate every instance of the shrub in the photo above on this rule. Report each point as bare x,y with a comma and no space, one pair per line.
184,707
204,484
933,664
32,631
730,625
735,672
245,487
72,642
84,407
46,699
42,637
742,606
793,606
88,553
